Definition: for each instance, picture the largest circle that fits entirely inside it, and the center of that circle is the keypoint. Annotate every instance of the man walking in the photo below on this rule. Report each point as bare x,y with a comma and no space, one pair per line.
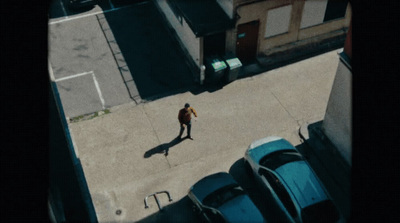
185,117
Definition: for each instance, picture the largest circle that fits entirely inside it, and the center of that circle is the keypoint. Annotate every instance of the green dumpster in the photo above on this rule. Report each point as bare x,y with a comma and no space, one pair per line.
234,66
215,69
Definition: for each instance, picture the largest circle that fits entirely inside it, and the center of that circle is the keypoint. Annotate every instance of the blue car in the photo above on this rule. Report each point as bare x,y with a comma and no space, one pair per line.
219,198
279,167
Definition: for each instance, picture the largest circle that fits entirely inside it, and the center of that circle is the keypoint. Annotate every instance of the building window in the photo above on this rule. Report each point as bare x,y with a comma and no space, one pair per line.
313,13
317,12
278,21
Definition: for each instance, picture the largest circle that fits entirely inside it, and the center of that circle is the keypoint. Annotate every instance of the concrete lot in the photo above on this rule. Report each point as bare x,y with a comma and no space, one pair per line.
123,152
100,59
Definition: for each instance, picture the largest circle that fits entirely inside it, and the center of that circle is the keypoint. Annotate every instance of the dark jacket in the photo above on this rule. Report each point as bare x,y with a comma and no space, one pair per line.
185,116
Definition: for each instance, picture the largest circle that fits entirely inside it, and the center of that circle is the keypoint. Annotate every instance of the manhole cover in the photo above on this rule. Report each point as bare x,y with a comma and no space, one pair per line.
118,212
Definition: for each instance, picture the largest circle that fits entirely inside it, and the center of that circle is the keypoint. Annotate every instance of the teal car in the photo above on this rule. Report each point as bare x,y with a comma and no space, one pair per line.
279,167
219,198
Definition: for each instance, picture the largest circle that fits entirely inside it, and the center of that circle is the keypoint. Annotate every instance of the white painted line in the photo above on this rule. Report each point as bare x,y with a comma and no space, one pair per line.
87,15
98,91
63,8
51,72
95,83
73,18
73,76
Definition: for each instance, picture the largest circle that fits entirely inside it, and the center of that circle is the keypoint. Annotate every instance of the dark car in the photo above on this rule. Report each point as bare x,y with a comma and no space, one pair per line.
219,198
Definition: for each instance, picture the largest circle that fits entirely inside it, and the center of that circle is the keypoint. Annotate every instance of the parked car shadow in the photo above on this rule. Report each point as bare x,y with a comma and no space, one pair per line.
163,148
180,211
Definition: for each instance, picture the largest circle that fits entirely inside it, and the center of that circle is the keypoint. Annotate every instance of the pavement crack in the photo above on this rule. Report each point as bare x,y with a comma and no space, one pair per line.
283,106
155,133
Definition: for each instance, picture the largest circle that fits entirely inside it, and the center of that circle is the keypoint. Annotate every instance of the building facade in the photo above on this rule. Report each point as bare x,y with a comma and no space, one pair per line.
337,123
253,29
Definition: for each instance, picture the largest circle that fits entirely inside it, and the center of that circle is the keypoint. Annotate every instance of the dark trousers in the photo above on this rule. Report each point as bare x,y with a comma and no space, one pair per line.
188,125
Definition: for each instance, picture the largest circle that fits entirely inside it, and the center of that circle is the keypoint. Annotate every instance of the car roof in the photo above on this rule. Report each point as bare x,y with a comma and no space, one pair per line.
211,183
302,182
260,148
241,209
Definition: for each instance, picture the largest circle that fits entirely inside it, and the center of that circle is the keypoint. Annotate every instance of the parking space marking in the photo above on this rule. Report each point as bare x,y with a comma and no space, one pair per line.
98,91
94,80
94,13
73,76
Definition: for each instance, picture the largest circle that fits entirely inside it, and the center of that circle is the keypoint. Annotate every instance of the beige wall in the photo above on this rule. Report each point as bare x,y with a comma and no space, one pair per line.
185,34
337,121
249,10
295,36
227,6
313,13
326,27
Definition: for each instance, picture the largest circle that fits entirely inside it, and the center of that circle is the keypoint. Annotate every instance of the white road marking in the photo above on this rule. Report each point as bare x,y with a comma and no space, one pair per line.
94,80
98,91
73,76
87,15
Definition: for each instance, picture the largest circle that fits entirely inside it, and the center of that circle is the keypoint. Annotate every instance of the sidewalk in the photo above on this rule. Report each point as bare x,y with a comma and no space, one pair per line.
123,152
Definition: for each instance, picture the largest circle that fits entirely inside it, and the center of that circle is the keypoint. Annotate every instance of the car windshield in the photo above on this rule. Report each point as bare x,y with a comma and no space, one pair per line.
277,159
221,196
324,211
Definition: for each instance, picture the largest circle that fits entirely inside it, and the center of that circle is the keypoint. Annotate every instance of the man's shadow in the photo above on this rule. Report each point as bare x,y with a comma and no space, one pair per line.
163,148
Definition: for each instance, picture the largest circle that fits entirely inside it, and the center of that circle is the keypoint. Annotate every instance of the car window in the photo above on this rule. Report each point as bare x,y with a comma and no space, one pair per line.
280,190
324,211
221,196
274,160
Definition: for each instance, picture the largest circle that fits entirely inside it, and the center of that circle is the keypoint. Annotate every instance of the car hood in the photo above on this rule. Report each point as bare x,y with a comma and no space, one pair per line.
211,183
241,209
303,183
258,150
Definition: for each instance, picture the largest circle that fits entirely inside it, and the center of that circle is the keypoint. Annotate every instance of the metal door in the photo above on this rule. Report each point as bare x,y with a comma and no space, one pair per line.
246,42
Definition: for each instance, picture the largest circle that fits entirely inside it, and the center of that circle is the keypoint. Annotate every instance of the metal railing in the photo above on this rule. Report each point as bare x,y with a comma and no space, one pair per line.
156,198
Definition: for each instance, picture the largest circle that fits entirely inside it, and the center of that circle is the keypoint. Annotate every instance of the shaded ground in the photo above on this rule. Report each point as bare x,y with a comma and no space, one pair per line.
68,193
180,211
157,65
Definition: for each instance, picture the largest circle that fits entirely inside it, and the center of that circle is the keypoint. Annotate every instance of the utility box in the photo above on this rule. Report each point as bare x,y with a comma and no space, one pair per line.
215,69
234,66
